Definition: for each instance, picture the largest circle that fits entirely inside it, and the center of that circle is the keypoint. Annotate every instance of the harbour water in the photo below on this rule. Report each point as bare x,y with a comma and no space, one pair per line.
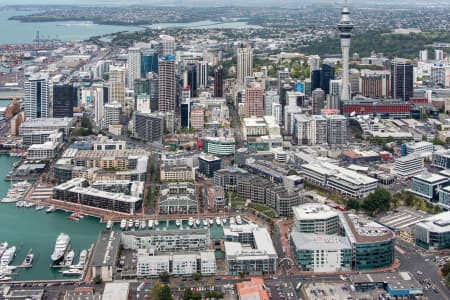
18,32
27,229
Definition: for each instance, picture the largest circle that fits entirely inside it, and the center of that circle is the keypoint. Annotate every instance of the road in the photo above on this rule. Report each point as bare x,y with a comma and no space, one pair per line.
415,263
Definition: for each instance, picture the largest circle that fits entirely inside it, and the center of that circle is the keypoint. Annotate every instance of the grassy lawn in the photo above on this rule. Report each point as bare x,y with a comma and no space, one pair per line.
263,209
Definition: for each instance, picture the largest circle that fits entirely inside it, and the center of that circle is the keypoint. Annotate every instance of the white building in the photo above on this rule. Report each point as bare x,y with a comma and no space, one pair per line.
339,179
166,45
202,74
270,98
420,147
438,74
409,165
112,114
315,218
46,150
117,85
177,264
36,96
244,62
177,173
134,66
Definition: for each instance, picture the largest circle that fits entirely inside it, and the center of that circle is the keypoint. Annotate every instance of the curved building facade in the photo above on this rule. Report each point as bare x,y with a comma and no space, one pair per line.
219,146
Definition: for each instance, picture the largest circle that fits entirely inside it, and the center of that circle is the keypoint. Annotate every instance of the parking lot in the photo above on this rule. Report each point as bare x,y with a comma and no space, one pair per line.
280,290
330,291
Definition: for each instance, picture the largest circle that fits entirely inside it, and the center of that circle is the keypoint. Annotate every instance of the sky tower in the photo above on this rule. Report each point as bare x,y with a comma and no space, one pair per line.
345,27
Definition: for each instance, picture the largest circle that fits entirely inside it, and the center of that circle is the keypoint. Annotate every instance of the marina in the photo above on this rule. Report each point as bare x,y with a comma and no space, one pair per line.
34,228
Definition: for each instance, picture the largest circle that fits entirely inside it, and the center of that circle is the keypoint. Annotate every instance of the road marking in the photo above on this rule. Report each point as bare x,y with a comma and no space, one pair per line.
400,250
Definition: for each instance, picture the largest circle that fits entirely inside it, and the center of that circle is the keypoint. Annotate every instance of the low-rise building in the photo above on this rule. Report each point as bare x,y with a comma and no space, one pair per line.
321,253
426,185
408,166
47,150
177,173
177,198
249,250
434,232
219,145
167,240
177,264
419,147
316,218
106,253
208,164
252,290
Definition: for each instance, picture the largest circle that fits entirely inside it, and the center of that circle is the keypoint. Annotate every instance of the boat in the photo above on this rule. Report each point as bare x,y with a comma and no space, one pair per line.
232,221
61,246
3,247
238,220
39,207
218,221
4,278
150,224
137,223
178,223
109,224
143,224
20,204
8,256
205,223
130,224
224,221
211,221
123,224
156,223
197,222
191,222
72,272
29,204
68,260
9,199
51,209
28,259
83,257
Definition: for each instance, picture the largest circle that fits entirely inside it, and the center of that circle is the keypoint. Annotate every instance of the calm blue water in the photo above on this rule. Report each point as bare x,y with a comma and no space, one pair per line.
17,32
27,229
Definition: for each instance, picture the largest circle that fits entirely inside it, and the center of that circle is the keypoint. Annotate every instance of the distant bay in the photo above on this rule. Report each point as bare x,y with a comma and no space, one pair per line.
17,32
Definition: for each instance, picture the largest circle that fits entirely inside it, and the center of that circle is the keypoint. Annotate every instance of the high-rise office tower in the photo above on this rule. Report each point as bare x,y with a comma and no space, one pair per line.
166,45
153,77
334,98
244,62
345,28
117,85
438,74
218,82
112,114
439,55
353,78
327,73
143,103
375,84
64,96
149,61
185,112
318,101
98,91
283,77
167,84
402,79
270,97
134,66
423,55
254,101
314,62
36,97
142,86
315,79
337,129
202,74
191,78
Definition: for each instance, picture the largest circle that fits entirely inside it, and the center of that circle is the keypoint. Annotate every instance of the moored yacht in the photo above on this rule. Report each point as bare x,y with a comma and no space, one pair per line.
191,221
224,221
238,220
218,221
109,224
68,260
130,224
61,245
72,272
232,221
3,247
156,223
211,221
51,209
197,222
150,224
205,222
28,259
123,224
143,224
8,256
178,223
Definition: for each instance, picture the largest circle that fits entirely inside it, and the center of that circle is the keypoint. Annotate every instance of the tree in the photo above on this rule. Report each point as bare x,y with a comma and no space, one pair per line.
164,277
196,276
187,295
97,279
353,204
377,202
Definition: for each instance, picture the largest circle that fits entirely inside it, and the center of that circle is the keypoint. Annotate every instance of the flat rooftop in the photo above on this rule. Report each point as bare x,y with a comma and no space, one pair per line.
314,211
404,219
363,230
106,250
312,241
430,177
437,223
116,290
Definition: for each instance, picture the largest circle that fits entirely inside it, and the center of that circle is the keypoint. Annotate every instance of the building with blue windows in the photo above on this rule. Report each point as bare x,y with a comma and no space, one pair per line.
433,232
426,185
